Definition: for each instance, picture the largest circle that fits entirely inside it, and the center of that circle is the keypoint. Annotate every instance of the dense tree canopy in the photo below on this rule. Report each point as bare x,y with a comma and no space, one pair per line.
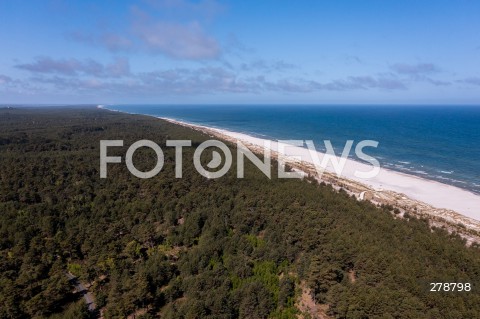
199,248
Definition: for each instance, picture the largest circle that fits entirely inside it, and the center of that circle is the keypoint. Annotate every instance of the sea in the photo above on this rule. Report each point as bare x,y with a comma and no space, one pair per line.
440,143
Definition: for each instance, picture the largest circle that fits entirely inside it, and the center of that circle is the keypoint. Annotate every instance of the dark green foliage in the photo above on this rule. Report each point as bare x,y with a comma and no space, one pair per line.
198,248
77,310
254,300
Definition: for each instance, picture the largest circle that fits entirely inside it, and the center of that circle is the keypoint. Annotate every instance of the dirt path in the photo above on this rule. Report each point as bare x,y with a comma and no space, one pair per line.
307,305
83,291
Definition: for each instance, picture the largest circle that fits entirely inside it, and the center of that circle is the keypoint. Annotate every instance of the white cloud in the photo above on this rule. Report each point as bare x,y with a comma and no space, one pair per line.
176,40
471,80
174,28
5,79
115,42
415,69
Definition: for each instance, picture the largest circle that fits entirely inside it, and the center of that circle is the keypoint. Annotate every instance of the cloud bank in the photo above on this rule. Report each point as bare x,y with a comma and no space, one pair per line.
116,78
73,67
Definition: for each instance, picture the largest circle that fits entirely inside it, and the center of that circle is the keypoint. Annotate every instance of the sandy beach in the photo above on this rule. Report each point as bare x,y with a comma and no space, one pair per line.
411,193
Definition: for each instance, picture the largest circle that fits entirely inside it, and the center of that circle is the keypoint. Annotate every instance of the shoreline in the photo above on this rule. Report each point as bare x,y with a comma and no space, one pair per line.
442,204
406,193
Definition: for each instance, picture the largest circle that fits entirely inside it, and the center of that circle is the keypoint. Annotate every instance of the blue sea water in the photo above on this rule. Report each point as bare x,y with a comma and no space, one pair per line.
434,142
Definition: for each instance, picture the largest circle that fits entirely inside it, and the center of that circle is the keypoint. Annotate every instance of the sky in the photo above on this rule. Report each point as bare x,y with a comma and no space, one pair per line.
240,52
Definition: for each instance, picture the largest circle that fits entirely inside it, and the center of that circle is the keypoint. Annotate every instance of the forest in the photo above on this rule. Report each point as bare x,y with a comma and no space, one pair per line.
194,247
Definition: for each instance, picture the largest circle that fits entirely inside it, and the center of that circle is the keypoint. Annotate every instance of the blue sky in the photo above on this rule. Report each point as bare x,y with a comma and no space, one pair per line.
212,51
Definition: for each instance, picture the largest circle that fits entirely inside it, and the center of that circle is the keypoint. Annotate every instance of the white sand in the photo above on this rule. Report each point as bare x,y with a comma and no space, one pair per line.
430,192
